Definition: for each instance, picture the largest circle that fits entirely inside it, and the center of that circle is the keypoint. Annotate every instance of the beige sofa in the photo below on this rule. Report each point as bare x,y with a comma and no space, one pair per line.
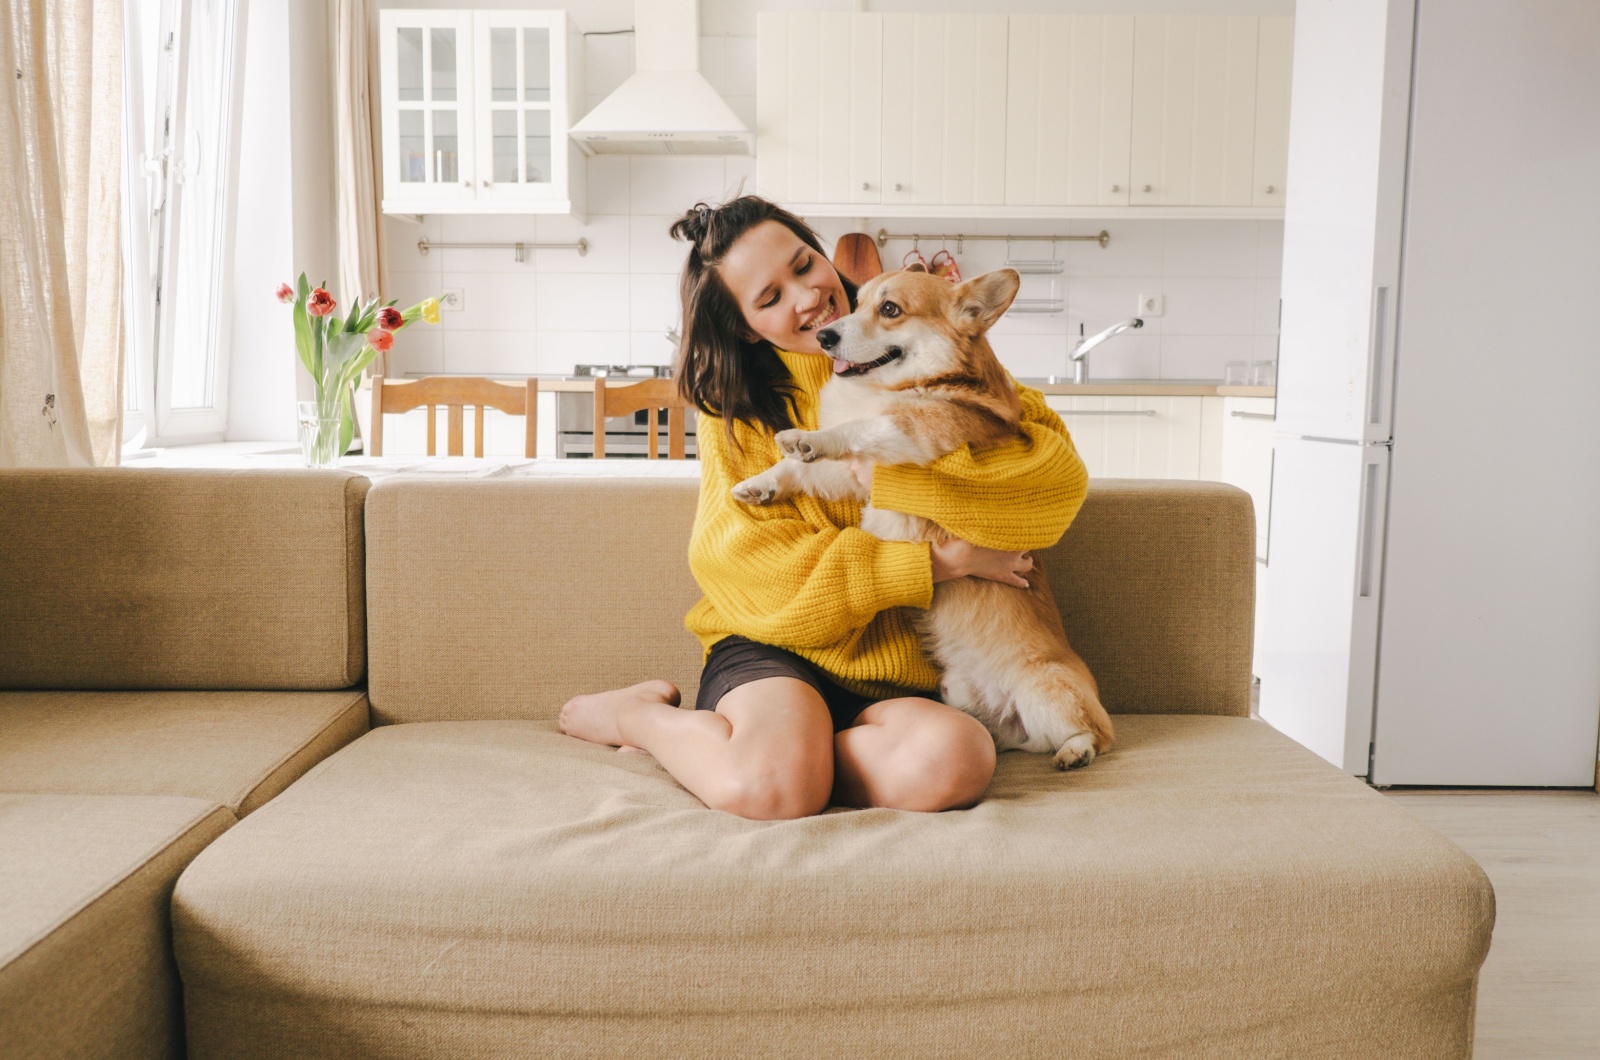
464,880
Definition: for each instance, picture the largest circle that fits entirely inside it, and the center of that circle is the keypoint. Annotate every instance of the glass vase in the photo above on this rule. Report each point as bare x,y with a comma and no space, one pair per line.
319,433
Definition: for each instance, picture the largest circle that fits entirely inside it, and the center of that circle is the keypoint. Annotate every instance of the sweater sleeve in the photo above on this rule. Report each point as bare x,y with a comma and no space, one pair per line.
1016,496
780,578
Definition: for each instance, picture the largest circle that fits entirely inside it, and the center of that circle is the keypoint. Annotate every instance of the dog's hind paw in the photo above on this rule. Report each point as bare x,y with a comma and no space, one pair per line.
1076,753
754,491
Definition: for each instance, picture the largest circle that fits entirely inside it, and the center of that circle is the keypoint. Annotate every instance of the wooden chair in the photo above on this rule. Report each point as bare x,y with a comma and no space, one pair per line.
651,394
455,393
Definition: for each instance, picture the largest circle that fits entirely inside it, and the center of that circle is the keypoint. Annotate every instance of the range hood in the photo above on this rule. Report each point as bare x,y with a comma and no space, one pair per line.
666,107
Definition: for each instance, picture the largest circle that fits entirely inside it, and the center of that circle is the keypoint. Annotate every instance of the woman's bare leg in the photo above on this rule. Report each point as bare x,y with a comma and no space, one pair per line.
913,754
766,752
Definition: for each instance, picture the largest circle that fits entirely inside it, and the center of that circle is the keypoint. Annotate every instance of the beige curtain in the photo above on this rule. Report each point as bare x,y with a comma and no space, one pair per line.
60,232
357,136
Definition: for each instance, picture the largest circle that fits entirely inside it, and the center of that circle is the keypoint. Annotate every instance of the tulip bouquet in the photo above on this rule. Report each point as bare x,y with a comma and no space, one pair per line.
335,352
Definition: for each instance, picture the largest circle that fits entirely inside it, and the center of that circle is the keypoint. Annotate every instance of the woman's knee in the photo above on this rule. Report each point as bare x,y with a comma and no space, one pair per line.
762,792
943,764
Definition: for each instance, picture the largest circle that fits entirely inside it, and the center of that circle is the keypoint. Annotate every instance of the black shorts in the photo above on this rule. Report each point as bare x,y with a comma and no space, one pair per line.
735,661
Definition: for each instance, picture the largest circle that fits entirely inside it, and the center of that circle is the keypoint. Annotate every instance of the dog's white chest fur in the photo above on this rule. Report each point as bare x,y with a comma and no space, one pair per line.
843,400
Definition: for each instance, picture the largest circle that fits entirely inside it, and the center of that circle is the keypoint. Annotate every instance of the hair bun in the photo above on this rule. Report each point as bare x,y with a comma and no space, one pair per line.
695,223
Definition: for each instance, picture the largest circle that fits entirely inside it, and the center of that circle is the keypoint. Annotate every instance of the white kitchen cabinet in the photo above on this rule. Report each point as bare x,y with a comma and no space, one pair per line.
1274,57
1194,110
1134,437
1068,109
900,87
1247,457
978,115
476,106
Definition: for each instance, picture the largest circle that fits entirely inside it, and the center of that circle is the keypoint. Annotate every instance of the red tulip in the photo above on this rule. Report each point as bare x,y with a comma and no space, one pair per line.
321,303
285,293
389,318
380,340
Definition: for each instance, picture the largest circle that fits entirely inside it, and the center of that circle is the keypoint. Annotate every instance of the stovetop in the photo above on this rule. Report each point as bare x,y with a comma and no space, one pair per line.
634,371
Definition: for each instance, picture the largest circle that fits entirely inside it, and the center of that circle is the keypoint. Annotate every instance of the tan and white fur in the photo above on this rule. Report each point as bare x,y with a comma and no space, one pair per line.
914,379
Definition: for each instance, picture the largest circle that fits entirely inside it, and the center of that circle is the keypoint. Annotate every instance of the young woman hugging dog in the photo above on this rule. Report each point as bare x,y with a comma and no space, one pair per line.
815,688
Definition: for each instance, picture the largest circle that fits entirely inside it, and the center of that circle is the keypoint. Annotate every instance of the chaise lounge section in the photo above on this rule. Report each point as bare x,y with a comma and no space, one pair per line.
176,648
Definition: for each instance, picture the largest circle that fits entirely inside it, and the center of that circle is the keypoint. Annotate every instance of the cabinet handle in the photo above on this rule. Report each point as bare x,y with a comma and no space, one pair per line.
865,186
1116,188
897,187
488,183
1271,190
1241,414
1147,188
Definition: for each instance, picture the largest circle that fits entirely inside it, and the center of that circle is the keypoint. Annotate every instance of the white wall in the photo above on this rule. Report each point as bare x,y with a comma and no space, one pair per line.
1220,279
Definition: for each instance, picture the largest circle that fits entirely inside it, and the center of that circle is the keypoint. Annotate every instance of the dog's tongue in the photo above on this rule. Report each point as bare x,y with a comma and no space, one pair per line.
840,366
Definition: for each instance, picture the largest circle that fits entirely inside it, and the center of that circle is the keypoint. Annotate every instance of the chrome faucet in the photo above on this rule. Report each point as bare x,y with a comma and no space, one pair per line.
1080,353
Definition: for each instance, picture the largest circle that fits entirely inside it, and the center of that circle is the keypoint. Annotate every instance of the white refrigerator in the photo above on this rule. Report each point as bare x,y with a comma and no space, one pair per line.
1432,585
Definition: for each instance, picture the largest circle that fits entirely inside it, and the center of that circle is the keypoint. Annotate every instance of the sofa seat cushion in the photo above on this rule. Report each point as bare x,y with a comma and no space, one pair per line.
85,955
500,889
235,749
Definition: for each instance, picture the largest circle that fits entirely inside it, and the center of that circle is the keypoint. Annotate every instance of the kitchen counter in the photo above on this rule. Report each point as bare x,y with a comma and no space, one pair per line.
1103,388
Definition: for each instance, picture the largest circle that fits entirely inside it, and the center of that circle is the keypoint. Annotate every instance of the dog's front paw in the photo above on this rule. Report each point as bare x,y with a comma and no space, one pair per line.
1076,753
802,445
758,490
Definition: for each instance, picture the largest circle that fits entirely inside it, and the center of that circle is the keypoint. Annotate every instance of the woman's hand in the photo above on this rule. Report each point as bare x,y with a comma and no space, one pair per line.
958,559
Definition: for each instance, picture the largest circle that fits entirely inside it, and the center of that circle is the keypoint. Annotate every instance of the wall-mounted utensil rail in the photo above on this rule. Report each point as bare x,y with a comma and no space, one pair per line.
884,235
520,249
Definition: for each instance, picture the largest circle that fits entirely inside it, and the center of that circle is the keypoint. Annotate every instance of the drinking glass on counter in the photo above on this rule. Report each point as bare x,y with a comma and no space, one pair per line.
1263,373
1236,373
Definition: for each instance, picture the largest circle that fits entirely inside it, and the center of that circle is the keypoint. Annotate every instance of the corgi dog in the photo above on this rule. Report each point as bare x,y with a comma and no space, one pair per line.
915,378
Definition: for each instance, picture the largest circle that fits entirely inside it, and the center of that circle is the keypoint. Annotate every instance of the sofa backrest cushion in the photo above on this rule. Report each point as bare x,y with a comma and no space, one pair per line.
504,598
167,578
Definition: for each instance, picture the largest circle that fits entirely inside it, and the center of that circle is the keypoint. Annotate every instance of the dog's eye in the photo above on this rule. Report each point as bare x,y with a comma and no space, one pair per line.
889,309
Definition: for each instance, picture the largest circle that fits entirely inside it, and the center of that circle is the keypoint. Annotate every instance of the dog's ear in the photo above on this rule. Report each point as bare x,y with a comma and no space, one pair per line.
915,266
983,299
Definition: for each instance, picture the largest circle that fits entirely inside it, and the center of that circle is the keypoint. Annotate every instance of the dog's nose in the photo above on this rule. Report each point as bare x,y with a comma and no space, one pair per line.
827,338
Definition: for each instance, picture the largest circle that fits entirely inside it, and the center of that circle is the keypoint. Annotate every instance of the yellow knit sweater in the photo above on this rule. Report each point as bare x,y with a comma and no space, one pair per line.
802,575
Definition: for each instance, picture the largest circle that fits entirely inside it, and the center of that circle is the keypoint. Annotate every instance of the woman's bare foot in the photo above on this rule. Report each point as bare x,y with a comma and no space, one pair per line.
594,717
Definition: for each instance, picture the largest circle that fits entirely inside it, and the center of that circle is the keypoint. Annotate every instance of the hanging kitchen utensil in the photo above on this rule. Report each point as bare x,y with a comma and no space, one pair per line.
944,264
914,257
856,257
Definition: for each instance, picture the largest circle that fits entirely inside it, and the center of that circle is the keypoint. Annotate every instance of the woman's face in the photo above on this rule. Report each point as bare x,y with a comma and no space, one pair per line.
786,291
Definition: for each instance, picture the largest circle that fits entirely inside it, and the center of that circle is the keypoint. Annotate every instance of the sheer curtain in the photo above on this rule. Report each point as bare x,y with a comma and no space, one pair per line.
357,125
61,340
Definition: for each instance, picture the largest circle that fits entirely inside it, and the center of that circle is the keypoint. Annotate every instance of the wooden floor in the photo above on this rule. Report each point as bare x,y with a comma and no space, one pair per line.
1540,992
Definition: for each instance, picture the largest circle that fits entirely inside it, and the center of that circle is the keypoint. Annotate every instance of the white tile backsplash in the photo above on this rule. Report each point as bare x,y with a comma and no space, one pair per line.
613,305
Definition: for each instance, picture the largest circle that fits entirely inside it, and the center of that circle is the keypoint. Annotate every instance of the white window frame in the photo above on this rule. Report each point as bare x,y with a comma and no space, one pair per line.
159,151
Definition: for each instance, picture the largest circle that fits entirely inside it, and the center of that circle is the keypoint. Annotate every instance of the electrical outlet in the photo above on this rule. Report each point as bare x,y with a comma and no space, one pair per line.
453,299
1152,305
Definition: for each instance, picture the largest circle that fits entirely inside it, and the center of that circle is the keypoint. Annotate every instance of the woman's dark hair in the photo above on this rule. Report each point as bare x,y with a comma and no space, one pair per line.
719,371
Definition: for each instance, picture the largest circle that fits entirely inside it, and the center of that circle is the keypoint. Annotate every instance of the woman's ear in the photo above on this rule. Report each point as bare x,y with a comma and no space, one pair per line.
985,298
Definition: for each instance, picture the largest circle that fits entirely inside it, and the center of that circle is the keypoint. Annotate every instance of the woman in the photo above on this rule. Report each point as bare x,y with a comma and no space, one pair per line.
815,688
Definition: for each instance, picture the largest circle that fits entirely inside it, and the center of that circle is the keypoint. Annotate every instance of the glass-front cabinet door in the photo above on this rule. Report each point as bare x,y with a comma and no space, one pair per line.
476,107
522,83
428,126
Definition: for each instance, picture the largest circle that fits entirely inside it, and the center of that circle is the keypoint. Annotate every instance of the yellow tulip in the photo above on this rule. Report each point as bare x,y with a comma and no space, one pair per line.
430,311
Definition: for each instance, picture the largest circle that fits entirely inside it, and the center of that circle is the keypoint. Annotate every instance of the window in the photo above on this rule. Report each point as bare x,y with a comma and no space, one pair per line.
180,111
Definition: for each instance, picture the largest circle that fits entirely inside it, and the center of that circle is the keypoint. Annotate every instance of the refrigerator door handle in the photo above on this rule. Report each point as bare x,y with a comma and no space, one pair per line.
1377,346
1373,488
